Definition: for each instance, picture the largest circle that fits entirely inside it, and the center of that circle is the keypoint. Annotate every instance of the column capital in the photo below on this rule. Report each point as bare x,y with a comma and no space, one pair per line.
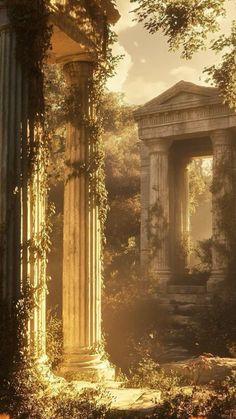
77,71
4,19
221,137
158,145
87,56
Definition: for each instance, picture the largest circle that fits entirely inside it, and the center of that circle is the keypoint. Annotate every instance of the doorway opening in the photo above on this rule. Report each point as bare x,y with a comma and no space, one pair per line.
200,211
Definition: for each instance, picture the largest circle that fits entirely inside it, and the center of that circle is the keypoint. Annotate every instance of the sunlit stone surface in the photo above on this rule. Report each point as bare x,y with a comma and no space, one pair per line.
82,241
184,122
22,199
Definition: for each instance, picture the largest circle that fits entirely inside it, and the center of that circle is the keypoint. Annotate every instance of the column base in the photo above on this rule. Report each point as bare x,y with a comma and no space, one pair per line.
216,281
86,367
162,277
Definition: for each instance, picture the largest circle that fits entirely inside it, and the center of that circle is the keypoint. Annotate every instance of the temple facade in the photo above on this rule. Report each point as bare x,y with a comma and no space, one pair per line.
185,122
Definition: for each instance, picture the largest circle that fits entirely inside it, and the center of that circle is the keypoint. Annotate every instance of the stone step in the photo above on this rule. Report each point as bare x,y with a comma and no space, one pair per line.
186,309
133,401
167,307
206,369
174,353
179,319
186,289
187,298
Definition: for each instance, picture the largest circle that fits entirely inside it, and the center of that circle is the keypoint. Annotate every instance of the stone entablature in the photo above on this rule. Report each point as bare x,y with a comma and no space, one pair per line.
186,115
169,115
75,36
184,122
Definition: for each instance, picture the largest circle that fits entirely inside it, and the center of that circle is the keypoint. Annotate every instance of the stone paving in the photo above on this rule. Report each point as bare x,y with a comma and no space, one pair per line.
129,399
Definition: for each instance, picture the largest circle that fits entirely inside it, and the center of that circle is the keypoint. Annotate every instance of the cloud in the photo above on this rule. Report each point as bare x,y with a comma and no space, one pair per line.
185,72
116,83
127,18
139,91
126,21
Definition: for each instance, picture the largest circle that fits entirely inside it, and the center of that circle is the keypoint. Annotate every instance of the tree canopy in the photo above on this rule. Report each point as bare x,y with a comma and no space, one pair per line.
187,24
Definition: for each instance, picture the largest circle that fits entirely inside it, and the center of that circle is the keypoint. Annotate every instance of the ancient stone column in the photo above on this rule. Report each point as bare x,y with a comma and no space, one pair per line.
22,199
182,215
186,212
11,96
82,237
159,239
144,208
223,208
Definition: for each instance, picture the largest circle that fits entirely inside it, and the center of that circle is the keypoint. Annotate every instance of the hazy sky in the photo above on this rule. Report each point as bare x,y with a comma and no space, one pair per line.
148,68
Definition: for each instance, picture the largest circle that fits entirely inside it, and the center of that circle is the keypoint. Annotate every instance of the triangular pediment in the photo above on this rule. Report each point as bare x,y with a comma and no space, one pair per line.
182,97
179,94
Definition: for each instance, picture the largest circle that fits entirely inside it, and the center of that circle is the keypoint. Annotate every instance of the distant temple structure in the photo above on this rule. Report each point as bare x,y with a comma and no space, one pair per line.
184,122
75,44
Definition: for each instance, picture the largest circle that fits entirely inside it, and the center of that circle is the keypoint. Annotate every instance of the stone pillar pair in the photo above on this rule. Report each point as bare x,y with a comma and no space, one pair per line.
158,214
161,237
23,222
158,218
82,238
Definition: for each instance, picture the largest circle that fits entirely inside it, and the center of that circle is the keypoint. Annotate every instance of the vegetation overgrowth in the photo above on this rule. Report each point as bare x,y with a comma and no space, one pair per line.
190,26
130,309
25,383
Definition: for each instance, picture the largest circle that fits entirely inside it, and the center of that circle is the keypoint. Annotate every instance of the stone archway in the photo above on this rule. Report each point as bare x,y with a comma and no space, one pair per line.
184,122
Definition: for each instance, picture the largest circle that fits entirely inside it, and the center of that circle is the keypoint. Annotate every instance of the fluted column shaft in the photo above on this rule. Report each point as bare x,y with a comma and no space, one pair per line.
182,216
185,209
159,211
82,235
222,189
144,208
10,164
22,199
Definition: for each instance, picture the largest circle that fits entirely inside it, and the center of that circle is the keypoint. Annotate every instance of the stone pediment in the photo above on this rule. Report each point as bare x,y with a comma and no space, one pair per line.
182,97
182,94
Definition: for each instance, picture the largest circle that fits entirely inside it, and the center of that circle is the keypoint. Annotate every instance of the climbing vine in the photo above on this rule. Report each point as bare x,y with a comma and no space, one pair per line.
92,121
223,190
29,21
32,32
157,227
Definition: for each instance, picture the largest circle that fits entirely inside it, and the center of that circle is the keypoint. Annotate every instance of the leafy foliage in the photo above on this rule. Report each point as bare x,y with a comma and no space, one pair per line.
203,252
30,393
33,37
26,389
129,308
218,321
217,404
135,325
54,338
223,187
148,374
186,24
224,74
200,179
